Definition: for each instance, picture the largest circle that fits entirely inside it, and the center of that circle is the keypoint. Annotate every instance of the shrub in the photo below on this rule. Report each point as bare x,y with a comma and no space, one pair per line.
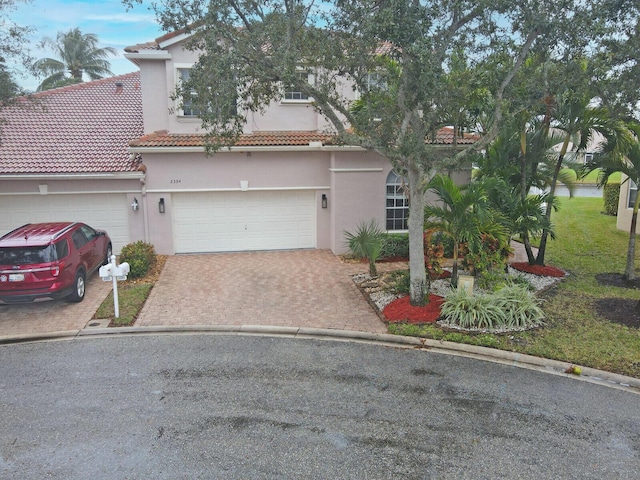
490,254
470,311
395,245
439,238
434,252
520,307
611,195
140,256
512,307
366,243
401,281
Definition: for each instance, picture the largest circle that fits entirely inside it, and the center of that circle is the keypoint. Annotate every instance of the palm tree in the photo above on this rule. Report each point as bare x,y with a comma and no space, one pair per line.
78,55
620,152
463,214
577,122
521,217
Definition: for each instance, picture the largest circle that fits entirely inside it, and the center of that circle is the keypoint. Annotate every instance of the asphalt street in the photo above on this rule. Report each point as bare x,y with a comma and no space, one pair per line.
248,407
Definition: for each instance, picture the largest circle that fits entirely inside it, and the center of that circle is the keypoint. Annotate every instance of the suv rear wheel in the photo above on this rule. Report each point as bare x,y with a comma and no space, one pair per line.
107,257
79,286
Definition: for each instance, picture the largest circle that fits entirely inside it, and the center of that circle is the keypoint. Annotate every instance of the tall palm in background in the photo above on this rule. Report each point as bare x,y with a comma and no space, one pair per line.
575,122
620,152
77,55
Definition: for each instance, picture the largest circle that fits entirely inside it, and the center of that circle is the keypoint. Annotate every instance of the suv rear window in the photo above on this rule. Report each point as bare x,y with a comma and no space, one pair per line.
33,255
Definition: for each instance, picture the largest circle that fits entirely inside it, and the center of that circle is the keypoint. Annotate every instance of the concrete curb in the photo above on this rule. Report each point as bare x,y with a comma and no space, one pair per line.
554,367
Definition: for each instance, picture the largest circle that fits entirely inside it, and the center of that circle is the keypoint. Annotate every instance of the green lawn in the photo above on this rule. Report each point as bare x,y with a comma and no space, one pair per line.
593,177
587,243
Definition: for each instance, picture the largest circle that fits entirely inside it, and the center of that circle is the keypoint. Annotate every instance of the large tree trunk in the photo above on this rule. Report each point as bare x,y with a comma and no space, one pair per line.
630,270
417,271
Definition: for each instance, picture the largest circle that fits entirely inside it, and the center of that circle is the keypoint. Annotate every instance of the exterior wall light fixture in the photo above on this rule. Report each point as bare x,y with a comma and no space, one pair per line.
135,205
161,205
324,200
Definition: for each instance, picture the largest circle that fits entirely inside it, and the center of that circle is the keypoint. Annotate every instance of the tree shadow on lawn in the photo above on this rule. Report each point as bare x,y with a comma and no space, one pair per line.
619,310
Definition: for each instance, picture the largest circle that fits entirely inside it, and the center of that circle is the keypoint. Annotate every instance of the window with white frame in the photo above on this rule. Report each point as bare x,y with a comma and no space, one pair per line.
218,103
187,107
294,93
375,81
397,202
633,193
588,157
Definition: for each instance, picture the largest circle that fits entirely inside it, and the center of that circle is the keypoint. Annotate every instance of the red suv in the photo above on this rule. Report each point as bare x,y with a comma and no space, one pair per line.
50,260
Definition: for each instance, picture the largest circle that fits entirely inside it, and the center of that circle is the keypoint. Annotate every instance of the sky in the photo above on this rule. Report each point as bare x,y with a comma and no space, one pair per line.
108,19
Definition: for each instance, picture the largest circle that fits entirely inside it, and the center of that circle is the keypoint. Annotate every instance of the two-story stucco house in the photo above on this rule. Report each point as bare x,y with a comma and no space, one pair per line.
120,155
284,185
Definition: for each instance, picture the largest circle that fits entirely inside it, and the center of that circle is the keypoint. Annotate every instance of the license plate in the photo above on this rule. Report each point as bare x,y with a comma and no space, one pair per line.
16,277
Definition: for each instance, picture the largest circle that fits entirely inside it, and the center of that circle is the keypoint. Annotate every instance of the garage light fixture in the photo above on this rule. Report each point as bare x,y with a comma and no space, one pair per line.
324,200
134,204
161,205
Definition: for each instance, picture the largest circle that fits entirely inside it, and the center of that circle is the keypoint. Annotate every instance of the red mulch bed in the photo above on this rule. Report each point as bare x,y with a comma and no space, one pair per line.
400,310
541,270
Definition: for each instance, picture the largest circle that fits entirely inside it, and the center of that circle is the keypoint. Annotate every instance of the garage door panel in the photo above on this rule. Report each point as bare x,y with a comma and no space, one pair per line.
236,221
102,211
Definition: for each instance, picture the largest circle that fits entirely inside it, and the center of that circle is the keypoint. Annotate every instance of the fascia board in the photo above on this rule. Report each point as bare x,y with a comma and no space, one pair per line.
150,55
295,148
73,176
173,40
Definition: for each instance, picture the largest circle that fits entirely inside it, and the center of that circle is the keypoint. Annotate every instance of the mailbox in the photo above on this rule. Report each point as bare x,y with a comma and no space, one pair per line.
110,270
112,273
106,272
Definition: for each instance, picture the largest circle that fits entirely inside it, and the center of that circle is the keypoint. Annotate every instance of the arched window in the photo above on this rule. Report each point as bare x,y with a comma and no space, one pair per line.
397,202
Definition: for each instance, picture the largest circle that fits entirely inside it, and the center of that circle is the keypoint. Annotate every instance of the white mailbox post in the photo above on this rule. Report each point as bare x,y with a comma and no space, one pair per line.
113,272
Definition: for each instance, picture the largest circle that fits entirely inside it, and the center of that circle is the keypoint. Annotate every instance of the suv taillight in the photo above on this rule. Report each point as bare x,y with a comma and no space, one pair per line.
55,269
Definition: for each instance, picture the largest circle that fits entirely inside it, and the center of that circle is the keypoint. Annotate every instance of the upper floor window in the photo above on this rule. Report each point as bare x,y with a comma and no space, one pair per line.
188,110
217,103
633,193
294,93
375,81
397,202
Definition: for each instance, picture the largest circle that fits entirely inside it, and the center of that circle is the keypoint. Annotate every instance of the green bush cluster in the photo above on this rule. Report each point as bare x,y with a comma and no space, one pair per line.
140,256
490,254
395,245
511,308
611,195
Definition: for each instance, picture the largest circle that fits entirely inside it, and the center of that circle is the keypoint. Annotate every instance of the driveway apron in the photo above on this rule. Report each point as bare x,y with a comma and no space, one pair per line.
53,315
308,288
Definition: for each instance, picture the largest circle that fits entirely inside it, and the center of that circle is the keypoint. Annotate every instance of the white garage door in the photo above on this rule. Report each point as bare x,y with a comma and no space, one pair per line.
102,211
238,221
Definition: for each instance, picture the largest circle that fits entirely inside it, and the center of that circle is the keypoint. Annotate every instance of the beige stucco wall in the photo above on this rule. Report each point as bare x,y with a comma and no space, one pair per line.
623,222
354,184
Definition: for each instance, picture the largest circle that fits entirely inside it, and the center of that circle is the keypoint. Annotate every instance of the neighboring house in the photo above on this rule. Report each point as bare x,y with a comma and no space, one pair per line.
284,185
64,156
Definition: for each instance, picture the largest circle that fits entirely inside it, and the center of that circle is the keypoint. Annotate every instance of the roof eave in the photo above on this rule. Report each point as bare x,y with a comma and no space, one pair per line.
73,176
248,148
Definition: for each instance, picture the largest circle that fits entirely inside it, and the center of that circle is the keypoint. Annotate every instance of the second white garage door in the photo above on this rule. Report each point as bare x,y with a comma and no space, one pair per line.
103,211
239,221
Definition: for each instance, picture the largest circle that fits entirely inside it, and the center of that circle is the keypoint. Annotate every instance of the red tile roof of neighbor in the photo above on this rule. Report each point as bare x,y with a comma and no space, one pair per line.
272,139
82,128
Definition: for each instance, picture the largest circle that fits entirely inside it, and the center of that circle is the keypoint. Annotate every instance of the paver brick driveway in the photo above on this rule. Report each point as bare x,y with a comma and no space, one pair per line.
53,315
309,288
